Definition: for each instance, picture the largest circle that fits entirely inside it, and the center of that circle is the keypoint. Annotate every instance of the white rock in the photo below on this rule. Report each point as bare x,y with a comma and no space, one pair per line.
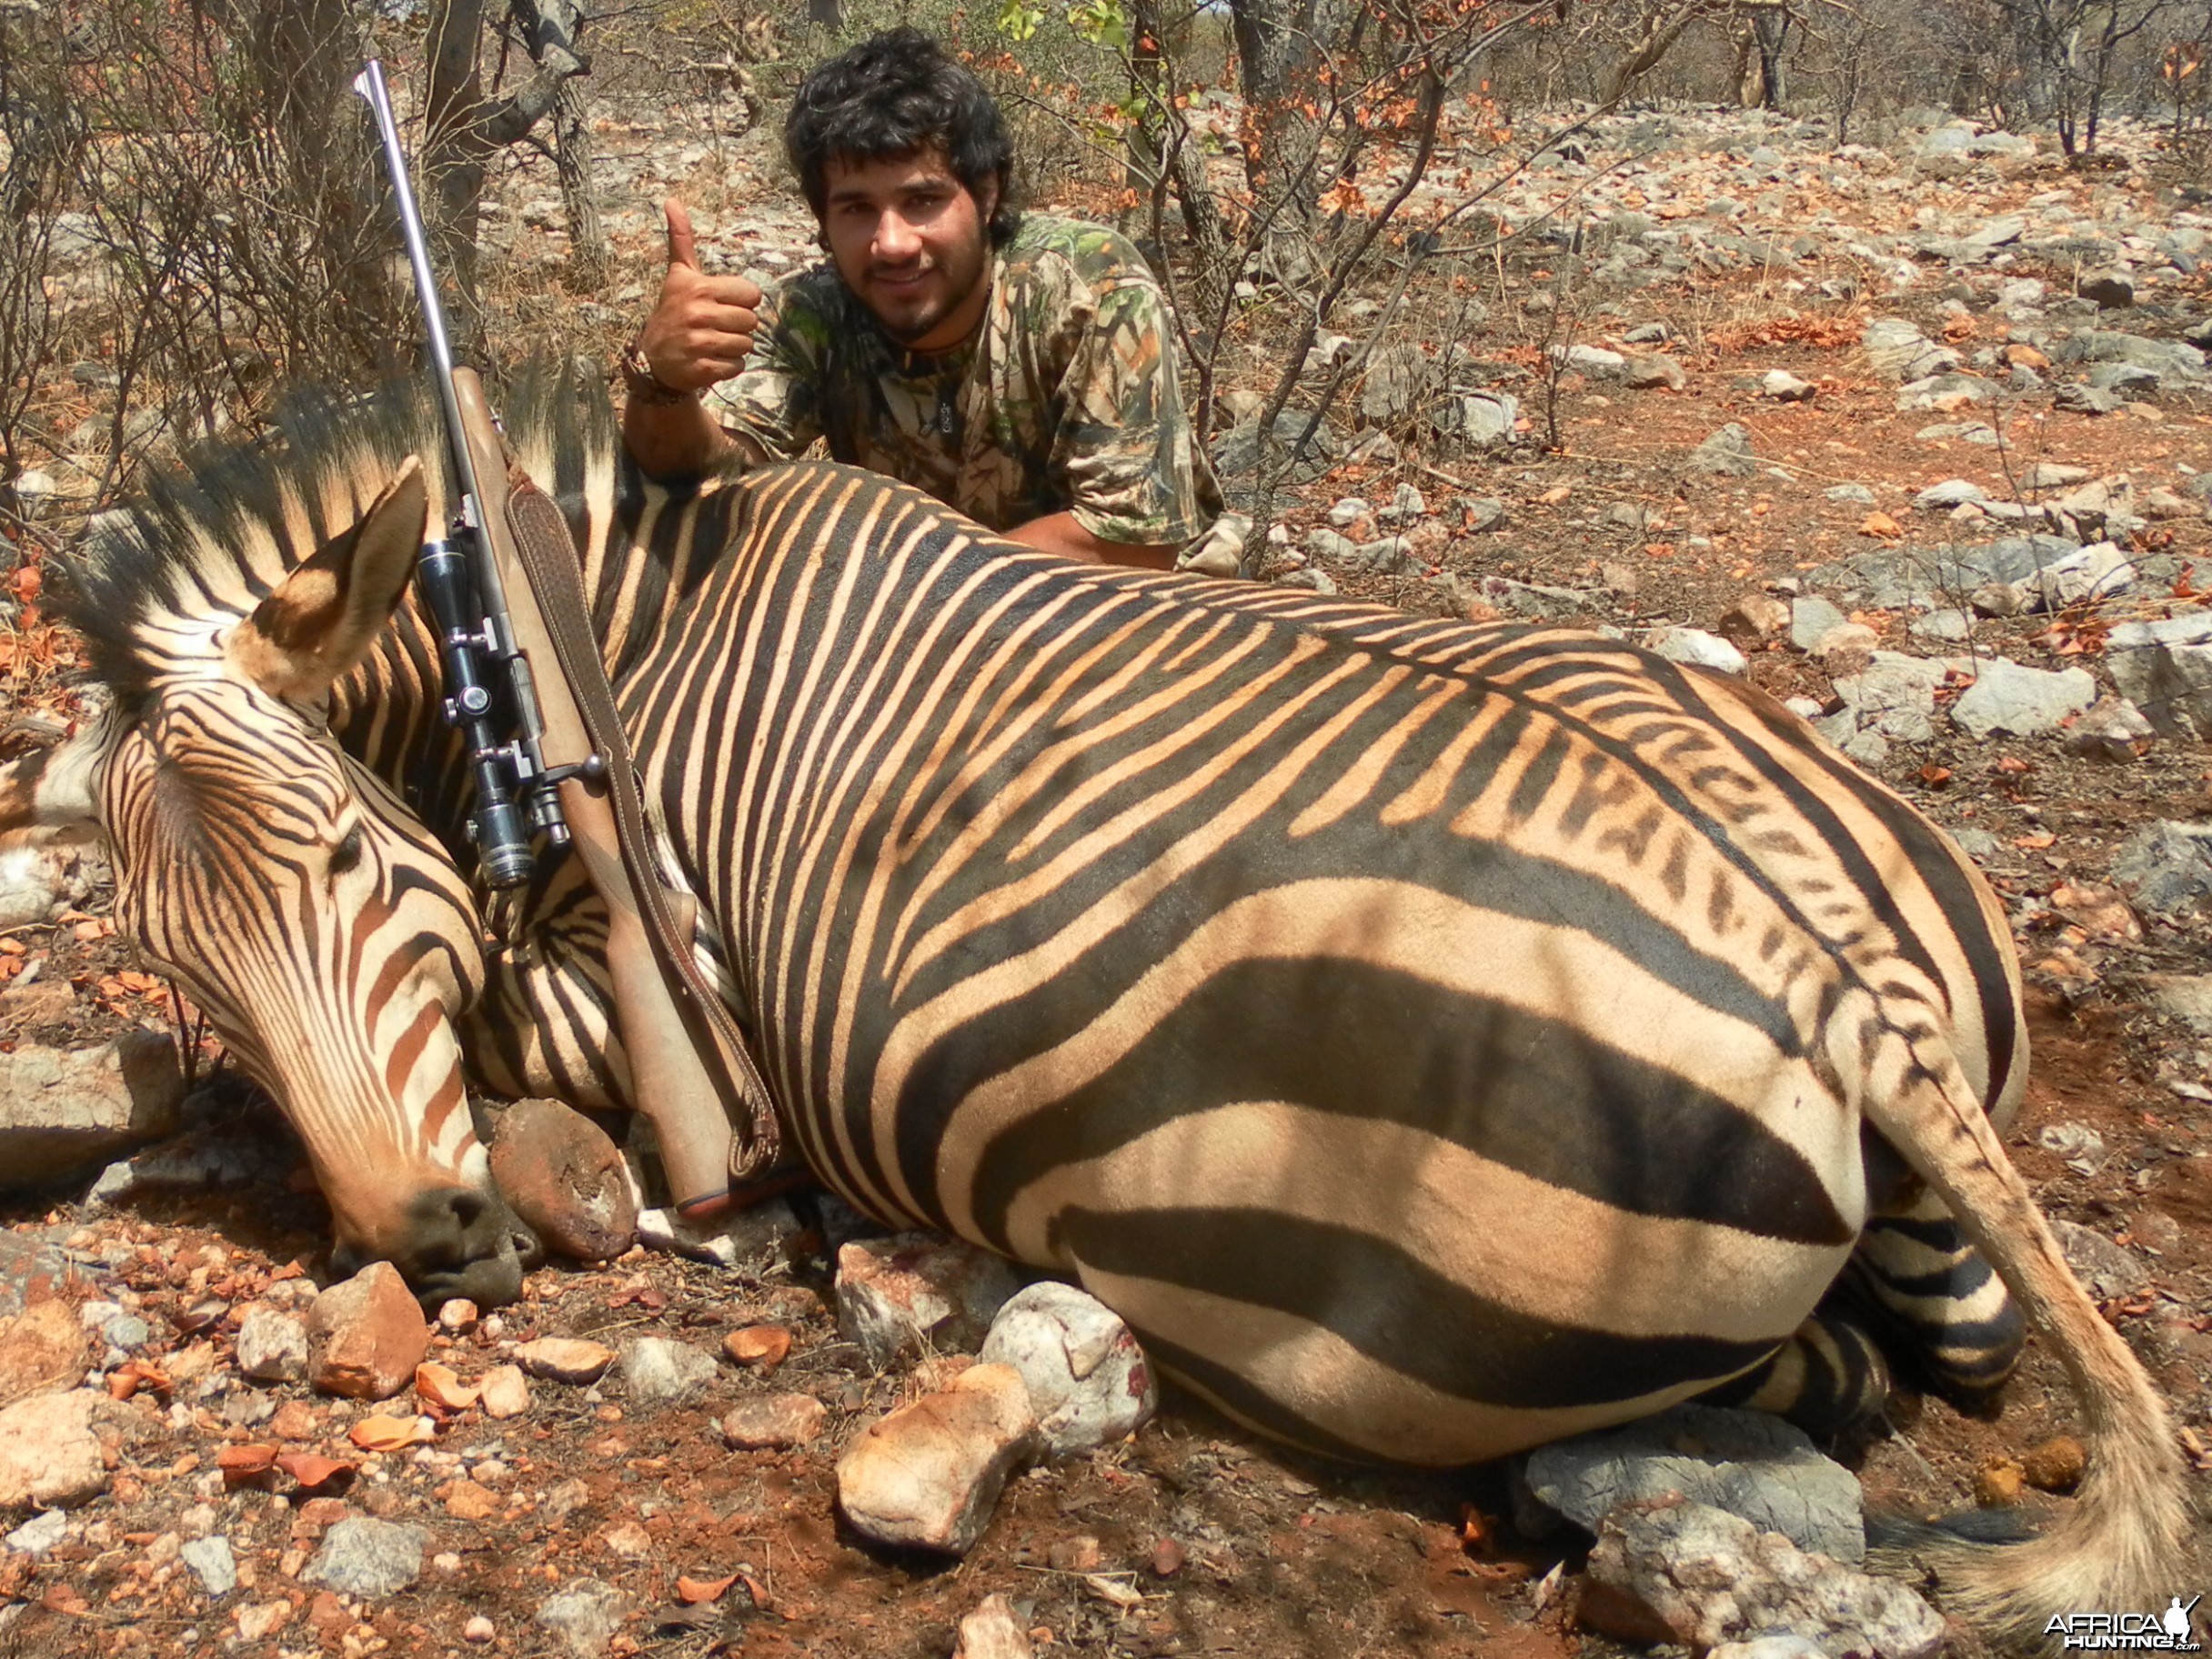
272,1346
40,1533
916,1294
992,1632
660,1371
65,1111
926,1475
49,1453
1087,1378
31,882
1694,645
727,1242
2007,696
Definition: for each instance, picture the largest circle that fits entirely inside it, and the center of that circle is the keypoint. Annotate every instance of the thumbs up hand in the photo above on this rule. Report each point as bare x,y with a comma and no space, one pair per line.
702,327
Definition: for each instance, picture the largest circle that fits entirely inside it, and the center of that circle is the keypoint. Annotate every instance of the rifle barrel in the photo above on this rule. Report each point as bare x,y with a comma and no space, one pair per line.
370,84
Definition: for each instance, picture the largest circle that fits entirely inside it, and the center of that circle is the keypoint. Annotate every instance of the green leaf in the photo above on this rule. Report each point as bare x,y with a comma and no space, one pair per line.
1019,20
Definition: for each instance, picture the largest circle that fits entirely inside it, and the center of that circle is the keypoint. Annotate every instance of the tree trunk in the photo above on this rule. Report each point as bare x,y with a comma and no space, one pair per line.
303,55
588,261
1276,47
466,129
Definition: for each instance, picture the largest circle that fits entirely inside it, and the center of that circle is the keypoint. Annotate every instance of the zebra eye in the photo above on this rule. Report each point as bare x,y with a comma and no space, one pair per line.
347,852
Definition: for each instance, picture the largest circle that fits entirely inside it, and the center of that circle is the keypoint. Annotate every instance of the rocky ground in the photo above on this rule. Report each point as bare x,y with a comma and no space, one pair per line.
1917,434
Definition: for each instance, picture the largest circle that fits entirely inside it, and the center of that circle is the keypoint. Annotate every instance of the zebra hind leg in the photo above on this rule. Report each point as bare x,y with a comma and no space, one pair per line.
1949,1319
1828,1378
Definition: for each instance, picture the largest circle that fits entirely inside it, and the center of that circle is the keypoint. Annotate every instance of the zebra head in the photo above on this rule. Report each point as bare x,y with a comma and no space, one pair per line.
325,932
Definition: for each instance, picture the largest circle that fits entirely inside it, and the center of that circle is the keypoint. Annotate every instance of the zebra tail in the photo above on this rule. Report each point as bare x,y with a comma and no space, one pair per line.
2120,1548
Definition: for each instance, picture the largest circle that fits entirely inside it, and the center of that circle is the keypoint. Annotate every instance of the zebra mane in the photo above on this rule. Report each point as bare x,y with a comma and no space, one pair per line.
205,543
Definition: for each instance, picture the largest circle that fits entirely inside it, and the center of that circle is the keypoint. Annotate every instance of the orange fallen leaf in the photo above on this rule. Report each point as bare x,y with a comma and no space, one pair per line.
439,1386
2034,843
1935,776
1882,525
314,1473
381,1434
1556,494
691,1592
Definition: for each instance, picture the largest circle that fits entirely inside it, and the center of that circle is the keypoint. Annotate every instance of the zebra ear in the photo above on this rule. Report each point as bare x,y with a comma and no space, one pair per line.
324,616
54,788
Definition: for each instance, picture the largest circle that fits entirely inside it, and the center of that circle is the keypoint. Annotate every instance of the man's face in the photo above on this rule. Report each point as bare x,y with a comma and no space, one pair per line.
910,241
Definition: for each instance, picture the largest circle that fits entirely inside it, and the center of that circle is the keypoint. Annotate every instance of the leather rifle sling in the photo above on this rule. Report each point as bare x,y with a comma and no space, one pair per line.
688,1058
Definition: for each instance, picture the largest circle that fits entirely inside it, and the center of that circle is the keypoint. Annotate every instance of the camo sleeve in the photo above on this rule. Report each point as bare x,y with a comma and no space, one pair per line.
776,398
1124,443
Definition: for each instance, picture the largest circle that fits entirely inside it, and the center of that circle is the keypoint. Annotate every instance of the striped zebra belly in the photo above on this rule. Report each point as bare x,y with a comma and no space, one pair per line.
1382,1171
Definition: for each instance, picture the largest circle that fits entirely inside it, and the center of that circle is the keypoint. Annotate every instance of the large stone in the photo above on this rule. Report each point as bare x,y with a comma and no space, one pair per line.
273,1346
2113,288
66,1112
916,1294
565,1180
926,1475
1482,420
1653,370
1684,1572
992,1632
661,1371
2099,572
1894,696
50,1450
41,1348
367,1335
213,1564
2107,1271
772,1421
1694,645
31,883
1592,362
1750,1465
2167,867
1396,375
2164,666
1900,352
1727,453
1811,618
586,1615
1950,493
1088,1379
565,1359
362,1555
2007,697
1237,453
2113,729
2171,359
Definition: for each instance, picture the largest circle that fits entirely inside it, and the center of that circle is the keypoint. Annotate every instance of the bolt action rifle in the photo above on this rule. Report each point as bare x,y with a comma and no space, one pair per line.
504,592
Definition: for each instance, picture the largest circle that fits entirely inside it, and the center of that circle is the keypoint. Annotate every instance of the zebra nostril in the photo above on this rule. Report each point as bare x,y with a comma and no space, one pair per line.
528,1249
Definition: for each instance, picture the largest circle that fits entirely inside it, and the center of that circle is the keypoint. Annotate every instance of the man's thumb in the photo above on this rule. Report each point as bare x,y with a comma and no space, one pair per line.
683,249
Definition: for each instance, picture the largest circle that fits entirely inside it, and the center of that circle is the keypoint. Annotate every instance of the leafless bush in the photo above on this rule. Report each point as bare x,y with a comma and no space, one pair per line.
40,136
227,181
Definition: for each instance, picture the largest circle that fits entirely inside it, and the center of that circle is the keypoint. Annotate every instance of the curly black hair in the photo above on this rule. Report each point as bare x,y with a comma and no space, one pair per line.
893,95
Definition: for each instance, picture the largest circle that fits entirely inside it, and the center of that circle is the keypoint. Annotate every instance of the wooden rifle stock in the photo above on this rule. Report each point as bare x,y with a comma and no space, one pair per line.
675,1041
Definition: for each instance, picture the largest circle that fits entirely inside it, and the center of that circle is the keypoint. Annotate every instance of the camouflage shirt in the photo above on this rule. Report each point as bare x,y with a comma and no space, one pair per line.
1064,398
